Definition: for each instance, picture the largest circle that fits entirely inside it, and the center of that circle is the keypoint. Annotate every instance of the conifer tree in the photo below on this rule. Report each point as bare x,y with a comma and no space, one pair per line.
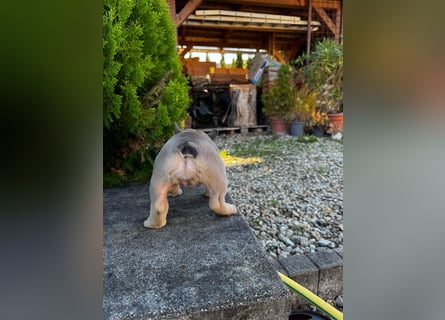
139,49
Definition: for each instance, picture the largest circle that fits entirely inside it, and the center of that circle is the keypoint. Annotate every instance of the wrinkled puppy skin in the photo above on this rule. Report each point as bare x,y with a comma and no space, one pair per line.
190,157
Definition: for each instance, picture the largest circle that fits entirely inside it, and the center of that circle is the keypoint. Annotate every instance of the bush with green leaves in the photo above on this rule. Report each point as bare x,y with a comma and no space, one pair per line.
285,99
144,91
324,74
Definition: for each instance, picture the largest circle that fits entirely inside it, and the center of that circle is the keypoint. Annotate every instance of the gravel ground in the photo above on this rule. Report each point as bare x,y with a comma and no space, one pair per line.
293,198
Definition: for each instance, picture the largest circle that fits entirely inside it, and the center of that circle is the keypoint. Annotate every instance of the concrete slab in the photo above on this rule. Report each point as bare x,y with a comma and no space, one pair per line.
339,252
200,266
277,265
301,269
330,283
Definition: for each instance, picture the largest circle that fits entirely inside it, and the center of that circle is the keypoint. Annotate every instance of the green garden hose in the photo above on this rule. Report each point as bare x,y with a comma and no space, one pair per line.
311,297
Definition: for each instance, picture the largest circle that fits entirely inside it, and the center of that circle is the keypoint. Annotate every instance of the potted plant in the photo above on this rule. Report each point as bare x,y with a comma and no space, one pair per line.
285,102
324,75
275,101
318,121
301,102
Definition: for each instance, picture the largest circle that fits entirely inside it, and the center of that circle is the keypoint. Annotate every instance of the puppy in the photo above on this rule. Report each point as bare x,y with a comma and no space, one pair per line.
190,157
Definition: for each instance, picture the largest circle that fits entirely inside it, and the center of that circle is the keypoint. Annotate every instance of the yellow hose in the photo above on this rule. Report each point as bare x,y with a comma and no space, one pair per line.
311,297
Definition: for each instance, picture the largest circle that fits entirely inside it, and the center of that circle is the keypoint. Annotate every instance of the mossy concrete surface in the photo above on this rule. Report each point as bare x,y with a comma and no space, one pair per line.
199,266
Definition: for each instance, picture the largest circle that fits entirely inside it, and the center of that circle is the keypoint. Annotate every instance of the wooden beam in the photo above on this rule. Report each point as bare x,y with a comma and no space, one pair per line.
271,44
338,24
289,3
279,57
254,20
217,42
226,36
309,34
172,7
185,51
324,16
186,11
293,52
240,26
331,4
327,4
217,50
249,16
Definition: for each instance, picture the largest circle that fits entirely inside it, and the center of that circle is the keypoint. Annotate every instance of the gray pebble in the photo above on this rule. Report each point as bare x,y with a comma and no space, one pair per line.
293,199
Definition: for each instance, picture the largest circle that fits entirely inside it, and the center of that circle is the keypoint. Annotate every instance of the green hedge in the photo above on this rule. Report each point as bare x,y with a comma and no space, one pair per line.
139,48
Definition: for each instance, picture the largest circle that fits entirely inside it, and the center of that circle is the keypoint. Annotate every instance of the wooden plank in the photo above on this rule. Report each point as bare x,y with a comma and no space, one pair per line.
289,3
228,78
265,16
331,4
240,19
230,71
186,11
227,25
194,67
327,4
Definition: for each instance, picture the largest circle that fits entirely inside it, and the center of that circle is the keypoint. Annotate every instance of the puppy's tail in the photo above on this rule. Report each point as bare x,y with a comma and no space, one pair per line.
187,150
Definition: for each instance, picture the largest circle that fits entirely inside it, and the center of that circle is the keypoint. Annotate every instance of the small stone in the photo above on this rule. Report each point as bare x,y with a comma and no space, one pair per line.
299,195
304,241
339,302
324,242
327,210
286,240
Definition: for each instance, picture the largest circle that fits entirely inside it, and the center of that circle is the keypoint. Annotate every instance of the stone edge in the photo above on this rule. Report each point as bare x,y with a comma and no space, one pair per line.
321,273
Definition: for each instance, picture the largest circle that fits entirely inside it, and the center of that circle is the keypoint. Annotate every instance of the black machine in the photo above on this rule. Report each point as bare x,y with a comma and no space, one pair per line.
211,106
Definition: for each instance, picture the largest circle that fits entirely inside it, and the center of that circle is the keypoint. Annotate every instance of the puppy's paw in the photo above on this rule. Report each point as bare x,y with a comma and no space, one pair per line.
228,210
151,225
231,208
174,191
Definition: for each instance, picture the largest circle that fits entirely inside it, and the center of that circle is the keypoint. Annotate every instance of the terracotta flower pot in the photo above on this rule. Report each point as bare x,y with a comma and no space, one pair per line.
336,121
278,125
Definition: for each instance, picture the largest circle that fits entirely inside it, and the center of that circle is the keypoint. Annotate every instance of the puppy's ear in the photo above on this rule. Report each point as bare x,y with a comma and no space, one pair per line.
177,129
212,134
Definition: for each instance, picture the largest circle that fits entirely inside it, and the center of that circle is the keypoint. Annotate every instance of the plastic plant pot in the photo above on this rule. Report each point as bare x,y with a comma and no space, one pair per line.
307,315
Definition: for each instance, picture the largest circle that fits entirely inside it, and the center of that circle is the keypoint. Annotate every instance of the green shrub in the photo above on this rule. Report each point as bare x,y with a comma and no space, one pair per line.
139,48
324,74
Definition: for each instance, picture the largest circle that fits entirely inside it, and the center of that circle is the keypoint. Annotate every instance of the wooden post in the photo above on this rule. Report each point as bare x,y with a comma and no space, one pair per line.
338,24
309,31
172,7
271,43
243,99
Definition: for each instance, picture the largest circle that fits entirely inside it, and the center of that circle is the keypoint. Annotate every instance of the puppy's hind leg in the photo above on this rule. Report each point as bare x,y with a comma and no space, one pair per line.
218,204
206,192
158,208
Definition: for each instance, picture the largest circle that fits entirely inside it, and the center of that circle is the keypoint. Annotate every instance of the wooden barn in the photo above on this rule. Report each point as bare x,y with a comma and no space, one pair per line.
227,98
